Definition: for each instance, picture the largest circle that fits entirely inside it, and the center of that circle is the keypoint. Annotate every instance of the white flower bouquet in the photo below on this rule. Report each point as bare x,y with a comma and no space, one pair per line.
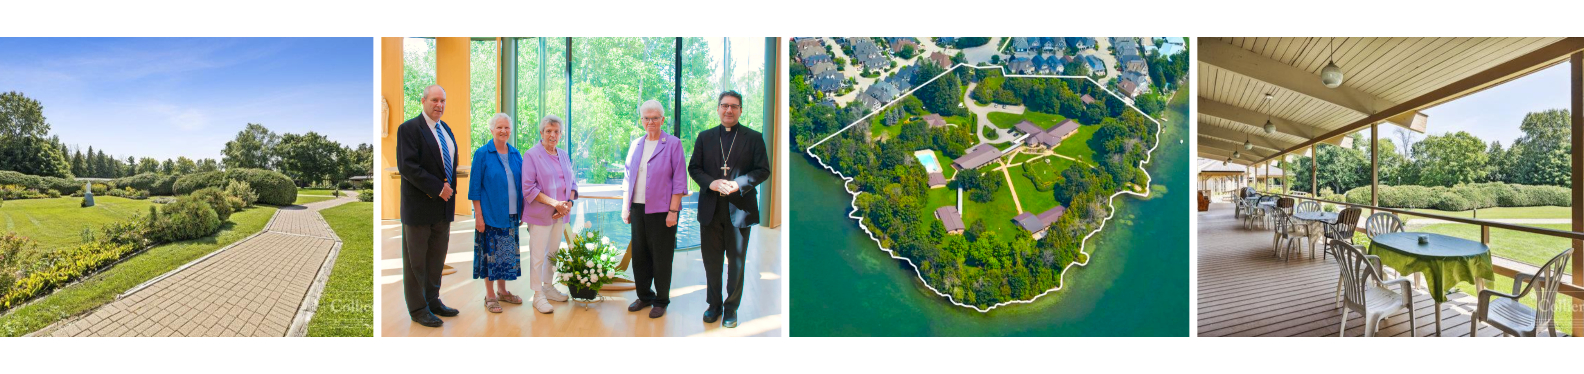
587,264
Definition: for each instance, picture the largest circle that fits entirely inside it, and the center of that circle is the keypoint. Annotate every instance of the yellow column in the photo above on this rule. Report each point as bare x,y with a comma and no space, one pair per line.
451,72
391,93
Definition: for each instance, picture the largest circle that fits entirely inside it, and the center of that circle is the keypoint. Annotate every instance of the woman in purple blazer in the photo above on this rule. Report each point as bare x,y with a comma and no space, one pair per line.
549,187
655,183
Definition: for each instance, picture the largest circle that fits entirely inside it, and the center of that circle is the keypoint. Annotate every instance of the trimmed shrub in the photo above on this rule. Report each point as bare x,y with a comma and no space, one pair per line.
133,232
155,184
272,188
1465,196
366,195
242,190
217,201
186,218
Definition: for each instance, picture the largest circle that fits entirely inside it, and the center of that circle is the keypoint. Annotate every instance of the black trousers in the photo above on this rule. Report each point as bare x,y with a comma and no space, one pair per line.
423,257
653,247
724,244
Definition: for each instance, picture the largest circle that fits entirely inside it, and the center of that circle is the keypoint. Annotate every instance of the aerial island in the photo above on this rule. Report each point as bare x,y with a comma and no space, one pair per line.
984,163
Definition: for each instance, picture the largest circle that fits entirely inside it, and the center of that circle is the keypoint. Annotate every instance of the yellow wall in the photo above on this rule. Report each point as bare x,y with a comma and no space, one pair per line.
391,92
451,72
451,69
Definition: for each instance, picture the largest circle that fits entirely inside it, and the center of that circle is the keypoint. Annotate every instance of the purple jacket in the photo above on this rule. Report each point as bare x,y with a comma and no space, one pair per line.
551,175
667,174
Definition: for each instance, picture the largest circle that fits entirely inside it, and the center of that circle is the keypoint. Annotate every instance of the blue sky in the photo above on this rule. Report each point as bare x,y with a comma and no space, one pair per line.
170,97
1494,114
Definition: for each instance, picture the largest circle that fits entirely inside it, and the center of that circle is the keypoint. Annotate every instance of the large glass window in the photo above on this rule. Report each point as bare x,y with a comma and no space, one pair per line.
418,71
482,65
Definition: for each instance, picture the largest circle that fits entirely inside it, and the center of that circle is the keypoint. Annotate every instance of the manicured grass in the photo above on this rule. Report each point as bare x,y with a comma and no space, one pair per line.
1007,120
997,213
1533,249
1003,119
990,133
103,287
1035,201
1077,145
315,191
1021,157
1527,212
58,223
301,199
346,308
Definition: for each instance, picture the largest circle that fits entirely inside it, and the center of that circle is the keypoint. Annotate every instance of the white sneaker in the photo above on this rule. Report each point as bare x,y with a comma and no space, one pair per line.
542,305
553,294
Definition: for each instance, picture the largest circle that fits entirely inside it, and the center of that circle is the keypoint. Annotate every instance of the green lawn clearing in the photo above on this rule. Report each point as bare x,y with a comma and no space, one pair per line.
346,308
58,223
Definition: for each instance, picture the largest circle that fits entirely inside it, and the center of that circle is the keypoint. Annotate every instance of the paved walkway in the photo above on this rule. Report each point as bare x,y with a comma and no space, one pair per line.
1002,135
255,287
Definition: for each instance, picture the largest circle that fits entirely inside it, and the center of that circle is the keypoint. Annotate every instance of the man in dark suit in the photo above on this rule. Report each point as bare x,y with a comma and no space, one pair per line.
730,160
426,154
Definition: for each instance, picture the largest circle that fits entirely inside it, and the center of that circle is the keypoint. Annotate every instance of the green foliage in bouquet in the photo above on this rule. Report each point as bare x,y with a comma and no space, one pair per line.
589,263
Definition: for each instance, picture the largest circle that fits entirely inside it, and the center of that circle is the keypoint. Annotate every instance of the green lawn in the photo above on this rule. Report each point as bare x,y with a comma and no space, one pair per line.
1077,145
346,308
315,191
1561,212
1034,201
103,287
1021,157
997,214
301,199
1007,120
1533,249
58,223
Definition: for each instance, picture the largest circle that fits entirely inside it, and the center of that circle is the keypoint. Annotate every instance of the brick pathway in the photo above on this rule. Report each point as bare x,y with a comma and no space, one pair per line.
253,288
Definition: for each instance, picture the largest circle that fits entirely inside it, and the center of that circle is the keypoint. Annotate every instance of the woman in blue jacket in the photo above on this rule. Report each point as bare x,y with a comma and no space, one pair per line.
497,212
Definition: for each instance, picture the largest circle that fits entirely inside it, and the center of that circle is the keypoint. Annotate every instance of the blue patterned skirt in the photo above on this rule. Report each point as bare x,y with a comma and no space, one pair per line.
495,252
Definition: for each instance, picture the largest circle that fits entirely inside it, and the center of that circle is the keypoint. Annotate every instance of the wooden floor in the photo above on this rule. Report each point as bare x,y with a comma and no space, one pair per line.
1244,290
759,315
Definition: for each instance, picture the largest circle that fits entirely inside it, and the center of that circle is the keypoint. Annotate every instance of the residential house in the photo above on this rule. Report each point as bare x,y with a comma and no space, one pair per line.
1020,65
1046,138
827,81
977,156
934,120
951,219
1020,44
1096,65
868,54
1037,225
1081,43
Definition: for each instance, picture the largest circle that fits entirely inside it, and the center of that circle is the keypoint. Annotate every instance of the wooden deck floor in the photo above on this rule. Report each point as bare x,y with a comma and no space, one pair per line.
1244,290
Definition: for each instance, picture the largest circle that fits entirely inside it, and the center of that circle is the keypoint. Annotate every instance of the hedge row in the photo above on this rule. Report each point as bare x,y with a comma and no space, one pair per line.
272,188
1464,196
62,185
68,265
155,184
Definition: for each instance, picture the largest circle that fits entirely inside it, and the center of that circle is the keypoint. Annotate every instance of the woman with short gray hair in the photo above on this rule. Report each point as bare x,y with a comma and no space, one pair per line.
550,186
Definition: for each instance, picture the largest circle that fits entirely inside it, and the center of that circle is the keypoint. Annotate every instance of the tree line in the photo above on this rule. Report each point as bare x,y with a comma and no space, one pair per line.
1542,156
310,158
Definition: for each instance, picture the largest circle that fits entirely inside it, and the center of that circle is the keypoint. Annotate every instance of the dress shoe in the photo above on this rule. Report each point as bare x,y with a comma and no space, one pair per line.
428,320
448,270
441,310
637,305
657,311
712,314
730,320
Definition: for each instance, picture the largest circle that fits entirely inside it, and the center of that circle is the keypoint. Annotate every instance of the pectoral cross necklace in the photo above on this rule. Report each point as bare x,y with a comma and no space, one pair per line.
726,170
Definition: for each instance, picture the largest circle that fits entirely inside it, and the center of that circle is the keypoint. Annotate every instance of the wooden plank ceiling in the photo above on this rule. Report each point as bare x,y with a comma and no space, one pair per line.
1235,75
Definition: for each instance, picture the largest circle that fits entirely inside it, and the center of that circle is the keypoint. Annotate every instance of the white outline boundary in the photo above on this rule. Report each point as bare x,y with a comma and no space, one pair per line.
1082,244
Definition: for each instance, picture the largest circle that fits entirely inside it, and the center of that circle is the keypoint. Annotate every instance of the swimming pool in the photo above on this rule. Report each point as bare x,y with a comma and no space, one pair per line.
927,157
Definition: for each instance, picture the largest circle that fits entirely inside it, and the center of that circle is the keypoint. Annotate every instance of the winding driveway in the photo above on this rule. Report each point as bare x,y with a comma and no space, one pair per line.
1002,135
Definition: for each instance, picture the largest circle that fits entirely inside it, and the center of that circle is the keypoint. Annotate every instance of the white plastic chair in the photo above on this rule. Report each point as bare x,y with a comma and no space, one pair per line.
1367,294
1505,312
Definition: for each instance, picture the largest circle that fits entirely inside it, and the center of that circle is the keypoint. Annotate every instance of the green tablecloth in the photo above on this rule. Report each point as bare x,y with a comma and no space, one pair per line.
1445,260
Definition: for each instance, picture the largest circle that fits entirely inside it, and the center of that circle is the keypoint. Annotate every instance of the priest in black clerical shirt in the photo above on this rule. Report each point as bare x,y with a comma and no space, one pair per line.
730,161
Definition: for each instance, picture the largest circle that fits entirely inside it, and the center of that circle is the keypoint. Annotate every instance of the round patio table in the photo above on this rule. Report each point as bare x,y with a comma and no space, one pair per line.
1313,223
1444,261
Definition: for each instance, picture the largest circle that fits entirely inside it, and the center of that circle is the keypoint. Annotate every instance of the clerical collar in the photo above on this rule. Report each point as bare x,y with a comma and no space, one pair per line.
730,128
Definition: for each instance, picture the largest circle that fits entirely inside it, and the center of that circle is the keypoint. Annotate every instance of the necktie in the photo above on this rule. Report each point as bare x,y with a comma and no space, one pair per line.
445,152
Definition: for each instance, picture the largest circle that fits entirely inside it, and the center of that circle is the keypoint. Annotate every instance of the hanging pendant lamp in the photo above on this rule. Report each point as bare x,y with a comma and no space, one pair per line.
1331,75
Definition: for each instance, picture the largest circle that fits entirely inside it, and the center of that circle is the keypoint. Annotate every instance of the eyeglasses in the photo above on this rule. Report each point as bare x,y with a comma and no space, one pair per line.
652,119
731,106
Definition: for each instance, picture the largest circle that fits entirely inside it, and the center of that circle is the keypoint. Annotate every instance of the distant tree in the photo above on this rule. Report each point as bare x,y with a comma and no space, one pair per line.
24,146
1543,155
307,158
185,165
254,147
1450,159
168,167
207,165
